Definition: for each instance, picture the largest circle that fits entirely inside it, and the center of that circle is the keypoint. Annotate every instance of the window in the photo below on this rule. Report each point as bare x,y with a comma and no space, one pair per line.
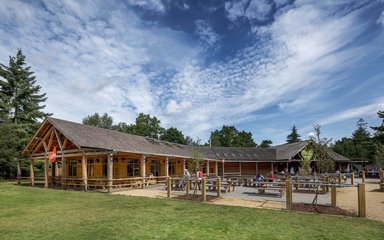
171,167
104,167
72,168
133,168
155,167
91,168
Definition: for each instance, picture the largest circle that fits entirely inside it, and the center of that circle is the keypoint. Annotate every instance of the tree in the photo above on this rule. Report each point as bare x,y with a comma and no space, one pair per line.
346,147
325,162
147,126
229,136
379,130
104,121
294,136
20,110
173,135
361,138
266,143
379,156
20,98
244,139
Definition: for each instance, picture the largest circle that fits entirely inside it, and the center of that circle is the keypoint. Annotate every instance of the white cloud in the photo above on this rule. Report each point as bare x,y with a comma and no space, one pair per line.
206,34
177,108
380,20
154,5
356,112
251,9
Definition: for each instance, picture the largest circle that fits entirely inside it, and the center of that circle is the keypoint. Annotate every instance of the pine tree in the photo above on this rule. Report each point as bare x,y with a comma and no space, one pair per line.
379,131
294,136
20,96
20,110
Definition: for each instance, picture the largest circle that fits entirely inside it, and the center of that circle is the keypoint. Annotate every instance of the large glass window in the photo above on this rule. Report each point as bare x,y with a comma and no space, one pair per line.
72,168
155,167
91,168
133,168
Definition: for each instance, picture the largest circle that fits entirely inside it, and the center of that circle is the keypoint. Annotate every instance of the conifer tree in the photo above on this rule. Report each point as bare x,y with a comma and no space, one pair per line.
294,136
19,94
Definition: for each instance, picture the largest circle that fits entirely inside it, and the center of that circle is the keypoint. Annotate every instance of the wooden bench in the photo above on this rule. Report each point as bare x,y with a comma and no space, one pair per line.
261,190
226,187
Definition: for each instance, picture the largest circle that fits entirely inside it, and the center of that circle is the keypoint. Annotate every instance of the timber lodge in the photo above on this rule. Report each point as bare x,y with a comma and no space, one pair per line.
89,156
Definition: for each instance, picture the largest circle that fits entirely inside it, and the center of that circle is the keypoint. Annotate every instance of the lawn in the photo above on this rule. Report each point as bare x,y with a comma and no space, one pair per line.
37,213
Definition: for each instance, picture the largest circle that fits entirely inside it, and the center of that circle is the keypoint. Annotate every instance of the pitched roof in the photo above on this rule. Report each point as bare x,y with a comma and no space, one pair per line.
85,136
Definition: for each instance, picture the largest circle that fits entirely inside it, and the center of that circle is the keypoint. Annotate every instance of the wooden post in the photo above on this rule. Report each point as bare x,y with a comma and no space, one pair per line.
84,172
333,195
184,166
207,168
188,186
32,172
340,177
204,190
327,181
110,172
217,168
142,170
166,166
297,185
363,176
361,200
218,186
53,174
46,172
323,189
64,173
353,178
18,172
169,187
288,191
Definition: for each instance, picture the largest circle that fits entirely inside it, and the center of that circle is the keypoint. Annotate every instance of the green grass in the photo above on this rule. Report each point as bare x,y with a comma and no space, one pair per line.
37,213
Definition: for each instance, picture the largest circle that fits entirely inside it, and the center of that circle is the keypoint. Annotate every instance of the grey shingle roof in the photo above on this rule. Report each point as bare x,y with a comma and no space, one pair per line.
85,136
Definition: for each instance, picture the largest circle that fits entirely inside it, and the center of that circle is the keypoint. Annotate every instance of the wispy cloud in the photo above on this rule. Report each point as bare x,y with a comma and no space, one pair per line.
296,67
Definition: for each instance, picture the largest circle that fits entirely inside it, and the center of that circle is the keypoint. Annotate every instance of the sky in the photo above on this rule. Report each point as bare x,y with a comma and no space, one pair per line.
259,65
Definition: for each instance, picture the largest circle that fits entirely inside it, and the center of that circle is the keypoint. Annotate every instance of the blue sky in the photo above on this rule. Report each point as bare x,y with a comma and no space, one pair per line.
260,65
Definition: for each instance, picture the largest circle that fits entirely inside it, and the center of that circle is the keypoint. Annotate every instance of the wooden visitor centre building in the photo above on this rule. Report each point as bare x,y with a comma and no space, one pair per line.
89,156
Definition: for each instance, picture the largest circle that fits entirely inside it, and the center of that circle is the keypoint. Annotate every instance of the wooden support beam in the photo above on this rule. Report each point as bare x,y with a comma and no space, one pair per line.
110,172
188,186
207,172
204,189
32,172
361,200
46,171
183,166
65,143
217,168
353,178
63,173
333,196
169,187
166,166
47,134
18,172
58,139
51,139
340,177
288,191
142,170
84,172
363,176
218,187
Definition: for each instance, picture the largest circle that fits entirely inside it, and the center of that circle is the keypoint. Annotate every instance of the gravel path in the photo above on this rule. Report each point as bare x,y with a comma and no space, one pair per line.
247,197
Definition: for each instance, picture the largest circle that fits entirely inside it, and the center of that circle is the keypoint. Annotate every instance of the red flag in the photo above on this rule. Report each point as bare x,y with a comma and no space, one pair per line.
52,155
